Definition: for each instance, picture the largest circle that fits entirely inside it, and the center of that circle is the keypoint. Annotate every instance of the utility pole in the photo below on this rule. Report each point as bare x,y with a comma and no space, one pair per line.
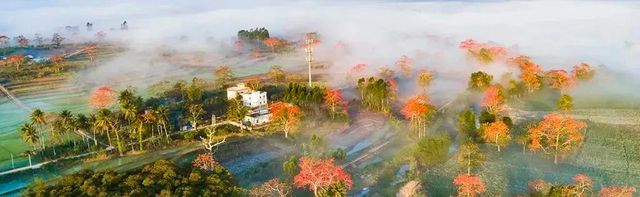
310,39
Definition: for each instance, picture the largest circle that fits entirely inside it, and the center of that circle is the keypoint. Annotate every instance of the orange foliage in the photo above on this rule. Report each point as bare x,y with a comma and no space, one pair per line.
483,52
529,72
557,134
405,65
468,185
90,50
286,115
273,43
616,191
333,99
583,184
496,133
493,99
58,61
560,79
582,71
15,60
358,68
319,174
102,97
418,110
205,162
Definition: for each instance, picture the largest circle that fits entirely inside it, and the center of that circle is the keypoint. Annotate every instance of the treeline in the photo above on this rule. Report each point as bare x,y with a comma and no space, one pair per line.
161,178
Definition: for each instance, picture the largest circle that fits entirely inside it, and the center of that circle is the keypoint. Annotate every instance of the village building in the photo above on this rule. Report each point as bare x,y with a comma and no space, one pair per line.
256,101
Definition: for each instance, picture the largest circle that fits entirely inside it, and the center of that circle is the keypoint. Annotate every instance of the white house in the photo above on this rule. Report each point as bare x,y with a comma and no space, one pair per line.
256,101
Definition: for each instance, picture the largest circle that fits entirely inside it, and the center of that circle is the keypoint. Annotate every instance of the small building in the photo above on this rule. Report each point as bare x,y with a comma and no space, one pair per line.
256,101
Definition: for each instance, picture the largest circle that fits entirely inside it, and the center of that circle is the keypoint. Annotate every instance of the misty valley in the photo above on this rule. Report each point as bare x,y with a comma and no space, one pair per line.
383,98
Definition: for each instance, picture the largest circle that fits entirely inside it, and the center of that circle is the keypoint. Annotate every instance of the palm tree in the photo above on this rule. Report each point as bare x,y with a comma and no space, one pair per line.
139,125
67,121
81,122
29,135
38,119
162,114
106,123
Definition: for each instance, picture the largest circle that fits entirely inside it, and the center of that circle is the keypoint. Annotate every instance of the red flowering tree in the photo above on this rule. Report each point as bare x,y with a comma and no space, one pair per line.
205,162
15,60
468,185
285,116
560,79
583,184
102,97
583,72
493,99
319,174
418,110
90,50
496,133
617,191
483,52
530,72
22,41
557,135
57,61
273,43
334,101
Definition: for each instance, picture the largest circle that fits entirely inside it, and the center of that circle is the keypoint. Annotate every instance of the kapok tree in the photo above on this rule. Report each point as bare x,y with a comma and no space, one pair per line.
484,53
22,41
57,61
404,63
15,60
468,186
102,97
424,80
617,191
205,162
583,185
493,99
557,135
286,117
273,43
583,72
496,133
418,110
90,51
559,79
530,72
320,174
333,101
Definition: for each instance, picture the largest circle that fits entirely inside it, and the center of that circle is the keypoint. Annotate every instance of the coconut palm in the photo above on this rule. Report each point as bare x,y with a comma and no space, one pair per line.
66,119
162,114
29,135
105,121
38,119
81,122
139,127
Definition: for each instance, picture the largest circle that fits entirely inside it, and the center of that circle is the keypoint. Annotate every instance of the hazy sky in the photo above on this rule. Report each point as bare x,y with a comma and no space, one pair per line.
557,34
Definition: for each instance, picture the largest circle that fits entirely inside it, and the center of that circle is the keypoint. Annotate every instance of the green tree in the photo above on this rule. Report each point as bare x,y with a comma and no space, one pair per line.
431,151
466,125
236,110
29,135
38,119
480,80
469,156
290,166
565,103
276,74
